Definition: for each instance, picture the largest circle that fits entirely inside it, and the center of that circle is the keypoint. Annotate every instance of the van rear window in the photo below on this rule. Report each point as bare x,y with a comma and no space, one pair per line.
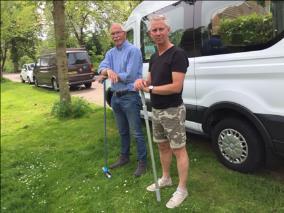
78,58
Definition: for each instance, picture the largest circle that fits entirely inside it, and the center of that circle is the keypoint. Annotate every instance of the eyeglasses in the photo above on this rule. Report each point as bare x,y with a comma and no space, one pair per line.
116,33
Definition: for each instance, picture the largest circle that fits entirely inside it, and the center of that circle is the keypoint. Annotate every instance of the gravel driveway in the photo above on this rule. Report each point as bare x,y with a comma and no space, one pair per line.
93,95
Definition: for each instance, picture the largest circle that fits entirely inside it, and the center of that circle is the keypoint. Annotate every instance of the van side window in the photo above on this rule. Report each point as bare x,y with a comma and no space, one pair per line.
71,59
130,36
233,27
147,46
180,19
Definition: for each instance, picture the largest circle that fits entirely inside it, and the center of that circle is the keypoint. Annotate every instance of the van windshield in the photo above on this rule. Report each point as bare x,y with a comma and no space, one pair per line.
77,58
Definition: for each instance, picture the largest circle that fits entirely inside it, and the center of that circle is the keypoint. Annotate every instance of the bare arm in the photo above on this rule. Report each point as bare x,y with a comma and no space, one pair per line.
141,84
168,89
105,71
111,75
174,87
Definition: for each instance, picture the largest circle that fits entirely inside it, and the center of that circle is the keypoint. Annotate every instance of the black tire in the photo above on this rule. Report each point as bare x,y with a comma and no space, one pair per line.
73,87
237,145
22,80
54,85
88,85
29,80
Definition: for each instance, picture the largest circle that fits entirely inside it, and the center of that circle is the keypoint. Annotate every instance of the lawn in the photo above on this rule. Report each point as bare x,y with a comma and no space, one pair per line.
51,165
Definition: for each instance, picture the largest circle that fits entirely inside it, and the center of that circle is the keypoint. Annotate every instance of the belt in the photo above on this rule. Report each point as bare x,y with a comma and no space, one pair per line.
122,93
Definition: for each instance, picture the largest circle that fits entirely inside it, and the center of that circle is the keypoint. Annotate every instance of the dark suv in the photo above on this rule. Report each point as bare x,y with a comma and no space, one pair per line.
80,69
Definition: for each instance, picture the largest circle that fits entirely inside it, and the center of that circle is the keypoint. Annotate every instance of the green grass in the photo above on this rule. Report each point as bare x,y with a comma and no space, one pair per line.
51,165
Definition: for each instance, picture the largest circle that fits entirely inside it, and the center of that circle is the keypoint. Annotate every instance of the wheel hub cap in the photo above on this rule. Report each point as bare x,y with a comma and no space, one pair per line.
233,146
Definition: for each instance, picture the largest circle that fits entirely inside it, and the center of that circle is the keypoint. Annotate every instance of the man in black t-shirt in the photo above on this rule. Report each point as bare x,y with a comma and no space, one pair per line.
164,82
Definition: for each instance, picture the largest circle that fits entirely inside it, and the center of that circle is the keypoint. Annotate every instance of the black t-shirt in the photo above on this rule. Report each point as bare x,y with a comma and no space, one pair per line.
161,68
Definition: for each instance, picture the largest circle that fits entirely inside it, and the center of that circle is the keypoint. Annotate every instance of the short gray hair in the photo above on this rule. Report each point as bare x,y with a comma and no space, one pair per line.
157,17
121,26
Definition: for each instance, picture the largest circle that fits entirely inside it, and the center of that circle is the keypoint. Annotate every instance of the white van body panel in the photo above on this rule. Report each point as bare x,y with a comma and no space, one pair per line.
242,78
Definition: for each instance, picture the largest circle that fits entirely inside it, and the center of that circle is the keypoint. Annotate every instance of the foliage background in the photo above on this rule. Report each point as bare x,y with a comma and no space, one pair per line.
27,28
250,29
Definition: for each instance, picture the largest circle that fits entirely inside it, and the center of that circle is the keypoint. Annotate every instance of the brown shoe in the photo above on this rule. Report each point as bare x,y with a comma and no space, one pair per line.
141,168
120,162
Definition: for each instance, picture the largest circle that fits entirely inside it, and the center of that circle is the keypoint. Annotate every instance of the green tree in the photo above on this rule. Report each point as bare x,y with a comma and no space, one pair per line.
90,18
247,30
19,30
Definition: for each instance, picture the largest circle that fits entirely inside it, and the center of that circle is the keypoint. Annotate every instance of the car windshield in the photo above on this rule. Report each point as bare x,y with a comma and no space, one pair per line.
77,58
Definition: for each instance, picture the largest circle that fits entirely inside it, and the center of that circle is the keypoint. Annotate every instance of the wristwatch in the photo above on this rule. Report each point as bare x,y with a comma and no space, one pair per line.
151,87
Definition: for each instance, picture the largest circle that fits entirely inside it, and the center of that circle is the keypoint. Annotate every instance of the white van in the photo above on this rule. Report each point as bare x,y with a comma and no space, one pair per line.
27,73
234,87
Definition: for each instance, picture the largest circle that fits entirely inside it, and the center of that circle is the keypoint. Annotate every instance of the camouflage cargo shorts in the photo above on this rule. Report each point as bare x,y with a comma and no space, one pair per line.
169,125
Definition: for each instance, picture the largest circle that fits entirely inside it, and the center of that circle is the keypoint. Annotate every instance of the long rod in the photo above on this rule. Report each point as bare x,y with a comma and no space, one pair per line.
105,127
146,117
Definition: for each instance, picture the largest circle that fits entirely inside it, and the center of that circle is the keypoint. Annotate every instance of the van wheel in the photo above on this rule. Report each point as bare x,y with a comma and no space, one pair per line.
88,85
54,85
73,87
237,145
29,80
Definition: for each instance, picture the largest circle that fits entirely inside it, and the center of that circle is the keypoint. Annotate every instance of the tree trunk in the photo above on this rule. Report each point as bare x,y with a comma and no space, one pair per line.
59,27
3,57
15,54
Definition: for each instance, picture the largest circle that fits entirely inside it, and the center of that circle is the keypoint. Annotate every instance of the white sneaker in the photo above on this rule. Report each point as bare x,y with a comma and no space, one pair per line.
177,198
162,182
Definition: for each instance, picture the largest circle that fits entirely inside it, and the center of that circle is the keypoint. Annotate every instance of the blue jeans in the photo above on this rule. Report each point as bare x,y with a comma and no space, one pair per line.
127,114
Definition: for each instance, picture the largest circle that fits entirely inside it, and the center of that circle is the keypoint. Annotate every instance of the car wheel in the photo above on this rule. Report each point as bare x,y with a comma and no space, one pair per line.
238,145
88,85
29,80
22,80
54,85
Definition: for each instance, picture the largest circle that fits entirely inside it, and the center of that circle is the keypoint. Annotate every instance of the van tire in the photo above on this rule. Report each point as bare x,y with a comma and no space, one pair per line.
88,85
29,80
237,145
54,85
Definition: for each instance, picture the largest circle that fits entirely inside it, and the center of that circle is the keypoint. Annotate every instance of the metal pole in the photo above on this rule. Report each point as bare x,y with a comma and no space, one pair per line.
105,127
146,117
105,168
